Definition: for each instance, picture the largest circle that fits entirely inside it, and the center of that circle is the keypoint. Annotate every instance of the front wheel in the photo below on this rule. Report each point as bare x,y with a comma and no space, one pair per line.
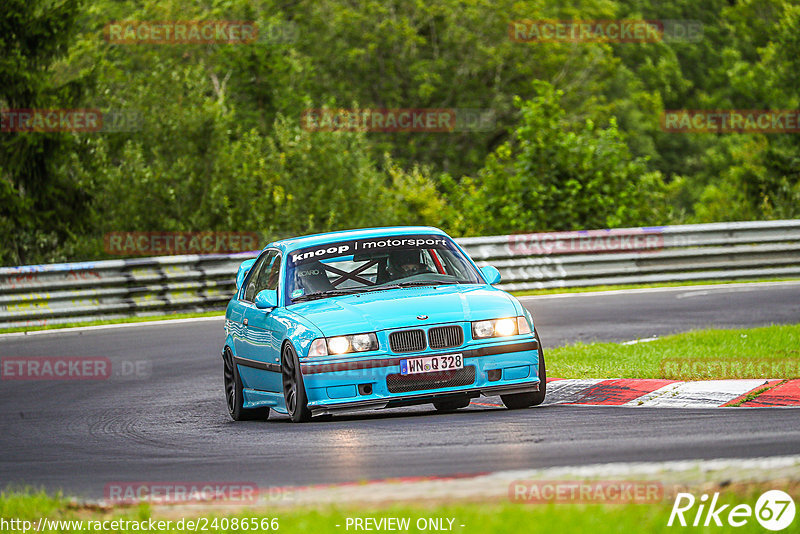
294,391
524,400
234,392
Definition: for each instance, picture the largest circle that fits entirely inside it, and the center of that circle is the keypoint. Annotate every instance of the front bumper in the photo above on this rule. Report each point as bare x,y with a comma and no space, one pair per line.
374,382
410,400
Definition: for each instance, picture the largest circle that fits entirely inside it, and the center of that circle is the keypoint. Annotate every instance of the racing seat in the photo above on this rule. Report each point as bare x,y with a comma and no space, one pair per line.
312,278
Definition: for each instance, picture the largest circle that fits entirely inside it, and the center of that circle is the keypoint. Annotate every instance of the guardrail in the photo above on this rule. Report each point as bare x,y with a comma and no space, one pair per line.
35,295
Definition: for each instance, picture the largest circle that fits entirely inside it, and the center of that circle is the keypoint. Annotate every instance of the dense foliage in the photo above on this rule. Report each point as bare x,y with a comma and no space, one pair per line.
218,142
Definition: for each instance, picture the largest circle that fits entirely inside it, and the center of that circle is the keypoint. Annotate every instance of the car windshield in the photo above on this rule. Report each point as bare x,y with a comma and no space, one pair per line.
375,264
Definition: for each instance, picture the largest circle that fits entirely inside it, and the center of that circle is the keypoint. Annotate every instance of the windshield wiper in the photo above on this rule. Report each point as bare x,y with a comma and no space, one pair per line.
412,283
381,288
328,293
343,291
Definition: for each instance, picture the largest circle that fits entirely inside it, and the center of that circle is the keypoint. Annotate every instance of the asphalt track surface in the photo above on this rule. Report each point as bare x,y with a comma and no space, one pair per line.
172,425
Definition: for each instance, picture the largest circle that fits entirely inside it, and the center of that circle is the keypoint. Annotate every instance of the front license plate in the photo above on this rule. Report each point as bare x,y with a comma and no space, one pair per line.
430,364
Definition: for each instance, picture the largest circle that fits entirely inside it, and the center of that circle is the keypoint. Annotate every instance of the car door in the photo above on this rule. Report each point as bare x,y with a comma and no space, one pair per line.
244,301
260,348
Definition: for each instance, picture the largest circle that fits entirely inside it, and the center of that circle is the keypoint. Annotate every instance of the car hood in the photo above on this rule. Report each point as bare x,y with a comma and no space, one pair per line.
397,308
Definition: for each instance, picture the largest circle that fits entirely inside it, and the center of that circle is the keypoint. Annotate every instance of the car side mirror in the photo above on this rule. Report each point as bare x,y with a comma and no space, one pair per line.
244,268
491,274
267,299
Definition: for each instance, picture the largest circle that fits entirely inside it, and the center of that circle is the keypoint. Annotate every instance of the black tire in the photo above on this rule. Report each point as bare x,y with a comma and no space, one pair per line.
451,405
294,390
234,396
535,398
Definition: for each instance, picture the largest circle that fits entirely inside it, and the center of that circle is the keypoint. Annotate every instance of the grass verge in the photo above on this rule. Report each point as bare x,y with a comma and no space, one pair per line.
467,518
766,352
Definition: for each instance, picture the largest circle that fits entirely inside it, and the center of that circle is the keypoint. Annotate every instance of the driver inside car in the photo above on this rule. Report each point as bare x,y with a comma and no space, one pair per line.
405,263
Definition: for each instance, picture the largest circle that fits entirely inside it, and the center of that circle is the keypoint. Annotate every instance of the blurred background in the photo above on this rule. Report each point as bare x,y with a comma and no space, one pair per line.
213,138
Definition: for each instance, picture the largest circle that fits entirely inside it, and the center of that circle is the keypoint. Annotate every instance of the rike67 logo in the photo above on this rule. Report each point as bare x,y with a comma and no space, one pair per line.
774,510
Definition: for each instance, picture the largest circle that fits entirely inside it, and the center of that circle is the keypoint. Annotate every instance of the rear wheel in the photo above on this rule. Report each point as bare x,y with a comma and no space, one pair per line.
524,400
294,391
234,392
451,405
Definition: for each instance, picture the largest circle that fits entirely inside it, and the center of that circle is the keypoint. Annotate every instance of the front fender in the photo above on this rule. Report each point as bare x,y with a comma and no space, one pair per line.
233,321
297,329
521,310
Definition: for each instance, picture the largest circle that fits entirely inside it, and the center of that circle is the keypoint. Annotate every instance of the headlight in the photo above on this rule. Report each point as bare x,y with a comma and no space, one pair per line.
481,329
343,344
505,327
522,325
318,348
339,345
363,342
508,326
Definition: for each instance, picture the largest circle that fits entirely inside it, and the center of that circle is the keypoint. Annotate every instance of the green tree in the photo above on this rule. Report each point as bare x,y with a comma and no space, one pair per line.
556,176
41,202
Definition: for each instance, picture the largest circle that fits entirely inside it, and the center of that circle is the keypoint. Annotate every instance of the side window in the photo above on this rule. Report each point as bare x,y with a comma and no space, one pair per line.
274,274
257,274
267,277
